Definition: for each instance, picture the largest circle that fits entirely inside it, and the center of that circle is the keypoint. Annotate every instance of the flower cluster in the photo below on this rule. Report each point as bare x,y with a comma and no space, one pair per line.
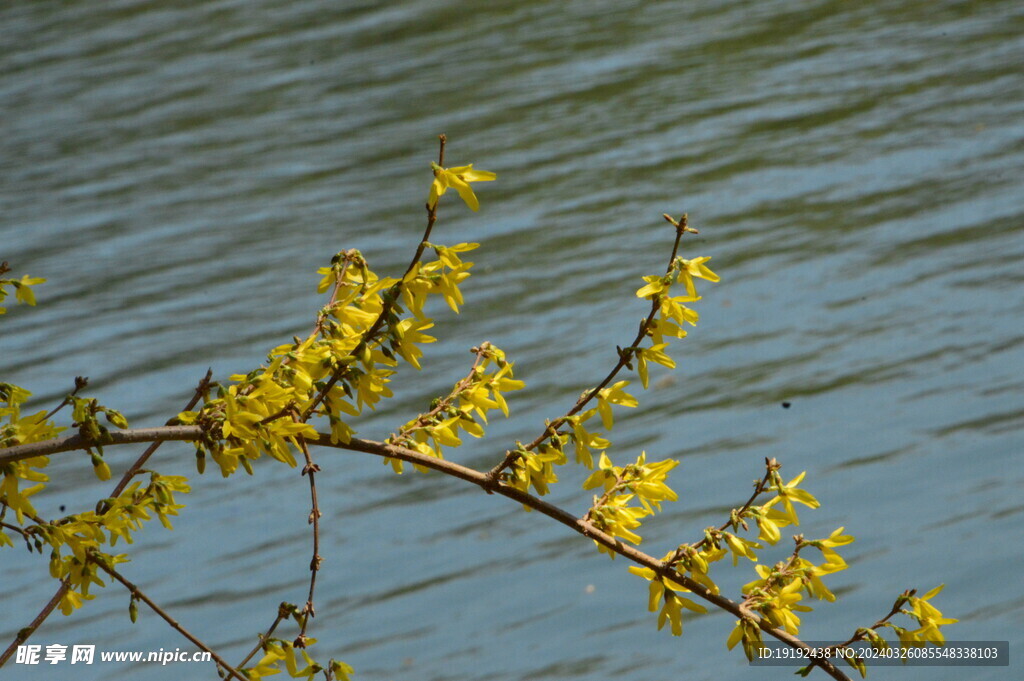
85,415
294,656
615,512
276,652
778,591
463,409
929,621
772,596
342,367
75,540
17,429
37,427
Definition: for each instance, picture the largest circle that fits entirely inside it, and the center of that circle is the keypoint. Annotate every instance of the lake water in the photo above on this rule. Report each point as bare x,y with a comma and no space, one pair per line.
179,171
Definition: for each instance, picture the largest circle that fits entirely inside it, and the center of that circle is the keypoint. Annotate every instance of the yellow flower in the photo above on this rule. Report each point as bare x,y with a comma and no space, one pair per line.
72,600
458,178
769,529
672,610
613,394
341,670
23,289
747,632
741,547
837,538
655,354
656,285
789,493
930,618
695,268
409,334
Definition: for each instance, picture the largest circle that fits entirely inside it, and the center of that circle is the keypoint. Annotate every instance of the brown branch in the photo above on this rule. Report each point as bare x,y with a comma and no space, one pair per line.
14,528
282,615
582,527
483,481
117,437
137,593
311,470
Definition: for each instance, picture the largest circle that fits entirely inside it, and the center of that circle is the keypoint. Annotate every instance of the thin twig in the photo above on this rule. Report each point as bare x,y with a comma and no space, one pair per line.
339,282
282,615
897,608
14,528
483,481
310,469
624,358
138,594
759,488
389,302
80,382
619,484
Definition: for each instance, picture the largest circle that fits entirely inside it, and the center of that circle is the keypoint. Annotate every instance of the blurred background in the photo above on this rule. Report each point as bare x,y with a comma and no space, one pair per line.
179,171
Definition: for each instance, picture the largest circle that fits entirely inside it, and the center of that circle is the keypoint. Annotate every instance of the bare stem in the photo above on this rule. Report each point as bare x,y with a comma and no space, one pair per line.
80,382
310,470
897,608
282,615
759,488
137,593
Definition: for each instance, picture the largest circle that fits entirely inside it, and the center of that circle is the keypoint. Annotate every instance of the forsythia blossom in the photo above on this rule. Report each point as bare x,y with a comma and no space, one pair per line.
458,178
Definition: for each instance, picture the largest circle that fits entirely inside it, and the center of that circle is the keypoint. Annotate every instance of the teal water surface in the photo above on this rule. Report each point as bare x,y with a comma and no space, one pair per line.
178,172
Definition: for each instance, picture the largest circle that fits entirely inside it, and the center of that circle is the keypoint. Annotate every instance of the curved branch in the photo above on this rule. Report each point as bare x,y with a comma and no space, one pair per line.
461,472
586,529
118,437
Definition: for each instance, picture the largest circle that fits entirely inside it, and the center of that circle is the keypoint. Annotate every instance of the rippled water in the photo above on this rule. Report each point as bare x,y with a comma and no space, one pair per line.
179,172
